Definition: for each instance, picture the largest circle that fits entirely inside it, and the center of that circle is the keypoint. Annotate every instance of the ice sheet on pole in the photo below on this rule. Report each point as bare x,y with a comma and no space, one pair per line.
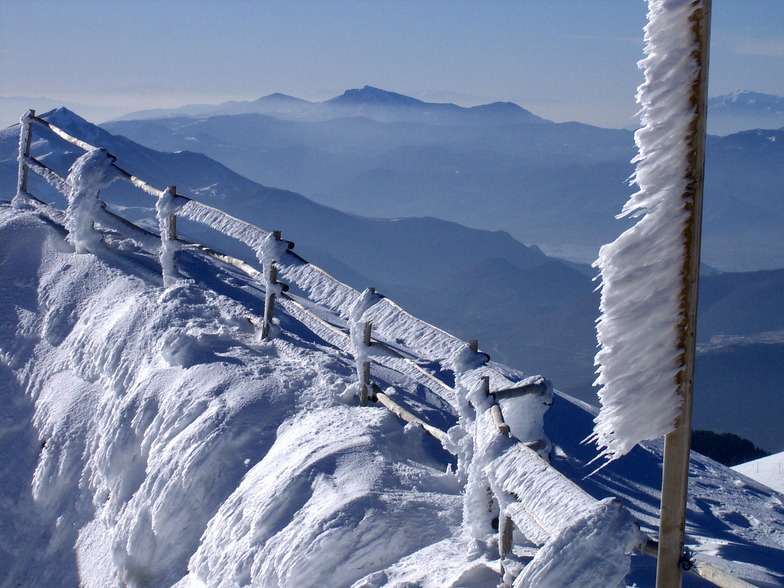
642,270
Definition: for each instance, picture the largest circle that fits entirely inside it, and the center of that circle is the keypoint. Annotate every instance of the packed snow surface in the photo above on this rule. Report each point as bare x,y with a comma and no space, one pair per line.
642,272
766,470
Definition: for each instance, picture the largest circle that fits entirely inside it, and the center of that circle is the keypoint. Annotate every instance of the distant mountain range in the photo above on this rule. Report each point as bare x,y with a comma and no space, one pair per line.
366,102
743,110
13,107
729,113
558,185
527,309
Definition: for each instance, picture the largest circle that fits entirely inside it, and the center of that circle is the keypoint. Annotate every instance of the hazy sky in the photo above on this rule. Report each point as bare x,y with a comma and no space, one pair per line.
561,59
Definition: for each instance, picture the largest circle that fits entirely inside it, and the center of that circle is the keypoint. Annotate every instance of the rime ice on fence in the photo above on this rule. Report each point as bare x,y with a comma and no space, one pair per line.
25,139
270,252
320,286
165,207
273,250
226,224
89,174
591,552
356,328
476,441
642,271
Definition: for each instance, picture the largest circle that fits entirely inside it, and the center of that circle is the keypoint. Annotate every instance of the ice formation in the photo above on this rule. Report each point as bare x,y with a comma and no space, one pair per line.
89,174
642,272
166,206
591,552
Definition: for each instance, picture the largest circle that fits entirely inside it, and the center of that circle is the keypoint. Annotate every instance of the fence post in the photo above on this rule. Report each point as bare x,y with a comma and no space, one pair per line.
269,300
167,223
366,333
495,409
25,141
272,288
365,383
505,535
172,228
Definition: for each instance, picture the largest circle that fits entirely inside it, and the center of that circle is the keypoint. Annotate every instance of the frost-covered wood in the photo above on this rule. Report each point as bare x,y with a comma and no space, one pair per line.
359,333
650,273
25,140
165,207
48,174
270,252
644,271
408,416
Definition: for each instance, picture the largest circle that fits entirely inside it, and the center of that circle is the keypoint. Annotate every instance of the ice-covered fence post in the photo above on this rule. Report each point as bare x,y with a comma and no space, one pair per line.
365,383
495,410
271,279
89,174
359,332
165,209
25,140
272,250
646,331
504,522
271,275
475,440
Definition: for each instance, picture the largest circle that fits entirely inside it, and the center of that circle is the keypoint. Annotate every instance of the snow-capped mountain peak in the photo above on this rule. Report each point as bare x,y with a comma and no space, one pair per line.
747,99
743,110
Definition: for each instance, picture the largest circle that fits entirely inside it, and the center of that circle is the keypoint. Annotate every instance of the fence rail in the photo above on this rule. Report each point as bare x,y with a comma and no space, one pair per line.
387,329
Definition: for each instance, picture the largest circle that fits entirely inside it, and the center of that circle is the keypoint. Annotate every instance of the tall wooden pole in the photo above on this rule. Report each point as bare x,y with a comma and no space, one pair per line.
677,444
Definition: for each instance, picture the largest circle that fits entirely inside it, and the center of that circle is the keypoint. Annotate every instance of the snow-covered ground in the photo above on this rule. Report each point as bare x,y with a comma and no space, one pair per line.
766,470
150,439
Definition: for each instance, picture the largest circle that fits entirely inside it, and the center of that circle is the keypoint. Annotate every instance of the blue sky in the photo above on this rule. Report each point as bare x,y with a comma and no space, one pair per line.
562,59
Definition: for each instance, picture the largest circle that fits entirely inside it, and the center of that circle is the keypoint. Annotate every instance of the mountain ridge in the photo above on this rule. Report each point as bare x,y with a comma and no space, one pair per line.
367,101
559,185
